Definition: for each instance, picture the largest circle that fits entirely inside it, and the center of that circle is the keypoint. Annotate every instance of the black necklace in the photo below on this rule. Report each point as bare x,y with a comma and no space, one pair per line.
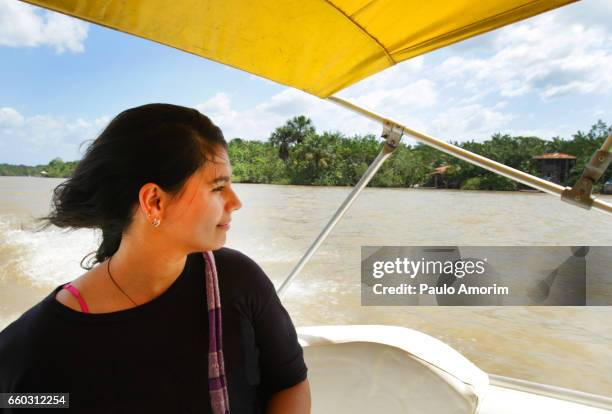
118,287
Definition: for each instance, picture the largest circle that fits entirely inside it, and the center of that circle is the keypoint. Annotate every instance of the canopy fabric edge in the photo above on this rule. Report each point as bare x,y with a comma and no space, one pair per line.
333,67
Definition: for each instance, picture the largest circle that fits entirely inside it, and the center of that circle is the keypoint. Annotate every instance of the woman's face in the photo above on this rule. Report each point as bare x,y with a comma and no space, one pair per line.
199,219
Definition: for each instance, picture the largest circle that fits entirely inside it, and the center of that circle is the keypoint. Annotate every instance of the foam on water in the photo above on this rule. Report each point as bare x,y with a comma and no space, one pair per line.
267,250
46,258
275,250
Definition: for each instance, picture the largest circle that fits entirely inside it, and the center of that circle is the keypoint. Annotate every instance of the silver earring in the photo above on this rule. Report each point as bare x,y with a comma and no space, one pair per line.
156,222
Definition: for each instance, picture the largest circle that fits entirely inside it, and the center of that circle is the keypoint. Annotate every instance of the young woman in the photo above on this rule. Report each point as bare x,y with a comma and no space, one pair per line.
168,320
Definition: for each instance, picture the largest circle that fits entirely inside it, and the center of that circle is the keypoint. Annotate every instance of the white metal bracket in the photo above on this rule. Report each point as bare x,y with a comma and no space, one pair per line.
580,194
392,133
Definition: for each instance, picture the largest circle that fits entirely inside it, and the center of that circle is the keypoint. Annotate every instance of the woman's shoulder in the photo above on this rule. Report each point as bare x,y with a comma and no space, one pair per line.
33,347
239,269
36,329
84,284
27,323
232,257
67,299
24,335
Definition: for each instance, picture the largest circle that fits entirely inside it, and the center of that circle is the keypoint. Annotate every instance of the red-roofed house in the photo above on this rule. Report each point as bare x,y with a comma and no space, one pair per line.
437,178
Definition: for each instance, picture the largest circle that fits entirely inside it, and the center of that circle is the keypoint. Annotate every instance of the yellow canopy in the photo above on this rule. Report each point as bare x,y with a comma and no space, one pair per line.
319,46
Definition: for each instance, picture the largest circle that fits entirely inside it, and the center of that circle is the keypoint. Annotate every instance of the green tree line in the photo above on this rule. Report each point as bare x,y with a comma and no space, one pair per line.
296,154
56,168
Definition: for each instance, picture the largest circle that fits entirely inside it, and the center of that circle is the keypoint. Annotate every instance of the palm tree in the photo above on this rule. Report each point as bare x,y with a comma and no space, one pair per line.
293,132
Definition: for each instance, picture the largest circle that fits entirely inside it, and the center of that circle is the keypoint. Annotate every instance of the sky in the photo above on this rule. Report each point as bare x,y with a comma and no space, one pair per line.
62,80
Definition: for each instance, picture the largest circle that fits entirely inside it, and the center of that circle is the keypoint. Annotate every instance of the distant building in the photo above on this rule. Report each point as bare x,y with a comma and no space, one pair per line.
607,187
437,178
555,166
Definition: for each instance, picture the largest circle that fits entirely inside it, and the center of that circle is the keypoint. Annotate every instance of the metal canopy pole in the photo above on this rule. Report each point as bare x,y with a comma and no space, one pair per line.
551,188
393,135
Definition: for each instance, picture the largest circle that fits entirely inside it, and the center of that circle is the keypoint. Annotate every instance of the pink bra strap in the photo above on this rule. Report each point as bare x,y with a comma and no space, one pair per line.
77,295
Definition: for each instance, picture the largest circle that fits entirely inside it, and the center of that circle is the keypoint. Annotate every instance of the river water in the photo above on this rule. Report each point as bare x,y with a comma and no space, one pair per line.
565,346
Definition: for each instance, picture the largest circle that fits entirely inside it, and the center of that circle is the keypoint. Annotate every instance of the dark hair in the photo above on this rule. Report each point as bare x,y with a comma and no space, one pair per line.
160,143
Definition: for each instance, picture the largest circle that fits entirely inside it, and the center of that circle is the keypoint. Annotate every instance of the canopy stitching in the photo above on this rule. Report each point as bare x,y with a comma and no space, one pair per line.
364,31
452,34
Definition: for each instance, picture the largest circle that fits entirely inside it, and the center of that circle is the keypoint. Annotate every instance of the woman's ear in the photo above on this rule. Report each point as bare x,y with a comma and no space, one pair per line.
152,200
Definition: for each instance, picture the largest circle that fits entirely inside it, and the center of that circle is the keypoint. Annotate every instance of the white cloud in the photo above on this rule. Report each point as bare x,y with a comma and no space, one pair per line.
546,55
259,121
419,94
38,139
469,122
288,103
10,118
590,12
23,25
251,123
397,75
544,133
219,103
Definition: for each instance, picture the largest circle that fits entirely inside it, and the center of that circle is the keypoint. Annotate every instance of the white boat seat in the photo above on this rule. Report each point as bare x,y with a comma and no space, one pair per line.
387,369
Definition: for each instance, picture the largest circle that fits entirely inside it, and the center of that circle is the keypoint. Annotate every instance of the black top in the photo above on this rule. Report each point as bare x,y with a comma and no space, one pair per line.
153,358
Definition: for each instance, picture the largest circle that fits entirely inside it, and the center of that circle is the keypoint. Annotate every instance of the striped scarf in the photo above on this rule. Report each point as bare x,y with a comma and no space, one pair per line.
217,384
